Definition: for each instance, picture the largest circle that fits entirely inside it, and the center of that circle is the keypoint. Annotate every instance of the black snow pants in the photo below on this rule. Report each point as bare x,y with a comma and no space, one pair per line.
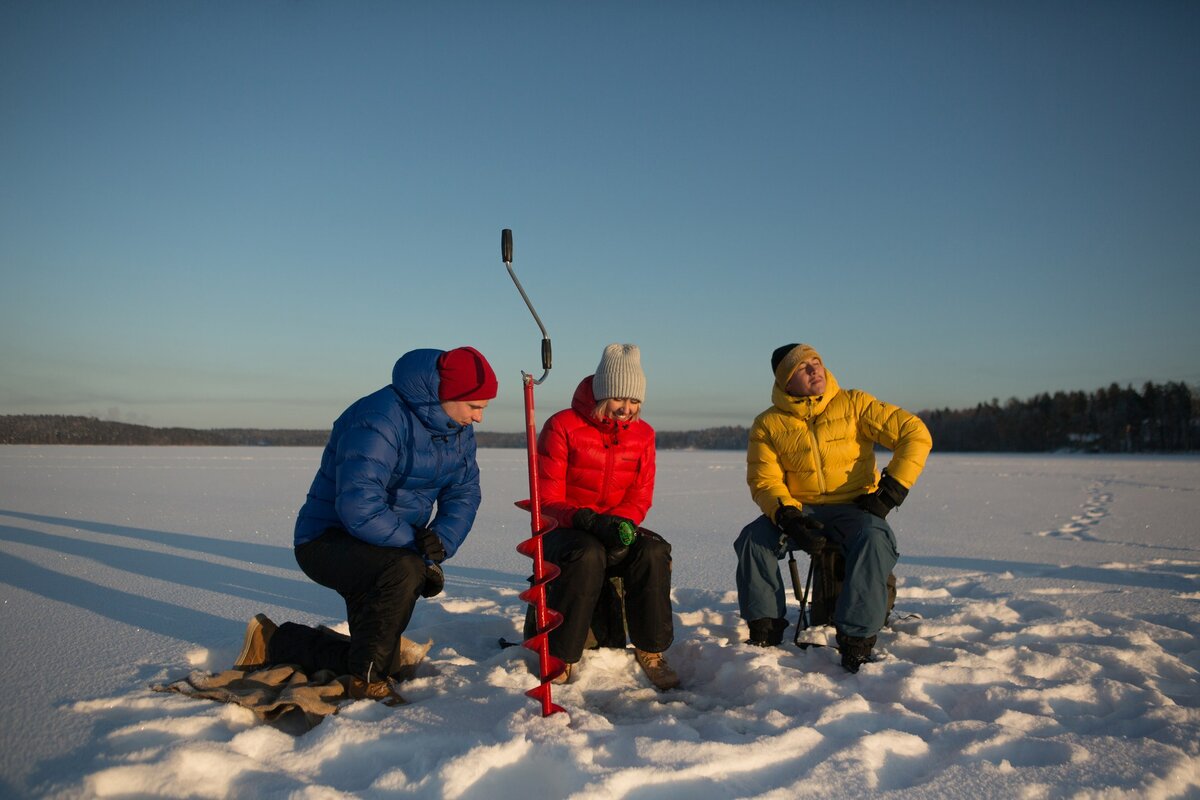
380,586
645,571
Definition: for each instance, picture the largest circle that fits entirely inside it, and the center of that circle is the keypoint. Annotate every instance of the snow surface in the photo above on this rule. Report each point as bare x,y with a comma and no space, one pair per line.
1055,655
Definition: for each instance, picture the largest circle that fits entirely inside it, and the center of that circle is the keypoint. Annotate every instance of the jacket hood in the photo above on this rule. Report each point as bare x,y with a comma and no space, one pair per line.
805,407
584,400
415,379
584,403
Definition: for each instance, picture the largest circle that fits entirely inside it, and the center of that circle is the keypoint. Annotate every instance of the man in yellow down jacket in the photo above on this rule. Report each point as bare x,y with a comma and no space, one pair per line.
811,469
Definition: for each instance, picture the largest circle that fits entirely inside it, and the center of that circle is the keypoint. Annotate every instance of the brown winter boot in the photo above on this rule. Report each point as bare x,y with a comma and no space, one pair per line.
564,676
657,669
256,644
382,691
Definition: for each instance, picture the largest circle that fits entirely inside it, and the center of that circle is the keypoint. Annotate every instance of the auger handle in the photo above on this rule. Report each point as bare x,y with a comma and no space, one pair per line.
506,254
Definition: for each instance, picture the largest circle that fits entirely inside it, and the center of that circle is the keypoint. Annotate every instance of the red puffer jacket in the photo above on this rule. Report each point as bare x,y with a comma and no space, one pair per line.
584,462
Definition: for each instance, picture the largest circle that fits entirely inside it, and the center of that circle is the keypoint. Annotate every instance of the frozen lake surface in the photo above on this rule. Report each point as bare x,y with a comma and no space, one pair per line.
1055,654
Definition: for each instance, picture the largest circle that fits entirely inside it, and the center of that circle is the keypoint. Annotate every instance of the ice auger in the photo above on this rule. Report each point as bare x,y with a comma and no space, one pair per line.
546,618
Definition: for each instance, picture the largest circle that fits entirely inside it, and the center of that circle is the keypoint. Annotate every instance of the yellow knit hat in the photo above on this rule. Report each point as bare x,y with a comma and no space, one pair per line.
786,359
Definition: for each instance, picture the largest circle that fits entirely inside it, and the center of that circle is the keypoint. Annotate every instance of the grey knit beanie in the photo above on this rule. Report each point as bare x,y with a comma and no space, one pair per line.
620,373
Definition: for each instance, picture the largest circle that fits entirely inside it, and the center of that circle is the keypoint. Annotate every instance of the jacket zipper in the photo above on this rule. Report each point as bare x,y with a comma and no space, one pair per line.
610,458
816,451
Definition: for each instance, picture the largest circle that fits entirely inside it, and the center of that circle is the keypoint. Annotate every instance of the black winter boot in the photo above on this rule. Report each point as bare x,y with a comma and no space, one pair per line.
766,632
855,651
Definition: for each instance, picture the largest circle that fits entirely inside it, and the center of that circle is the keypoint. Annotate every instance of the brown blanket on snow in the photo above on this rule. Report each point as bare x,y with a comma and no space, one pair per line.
282,695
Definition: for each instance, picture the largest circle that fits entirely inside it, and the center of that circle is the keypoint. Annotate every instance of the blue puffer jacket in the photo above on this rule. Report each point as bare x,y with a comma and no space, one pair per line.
391,457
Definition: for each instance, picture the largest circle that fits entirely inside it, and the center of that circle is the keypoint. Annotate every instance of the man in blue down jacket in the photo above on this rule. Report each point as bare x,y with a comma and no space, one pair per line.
368,529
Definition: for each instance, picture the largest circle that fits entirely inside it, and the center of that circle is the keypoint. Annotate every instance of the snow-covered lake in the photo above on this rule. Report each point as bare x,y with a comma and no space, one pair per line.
1055,654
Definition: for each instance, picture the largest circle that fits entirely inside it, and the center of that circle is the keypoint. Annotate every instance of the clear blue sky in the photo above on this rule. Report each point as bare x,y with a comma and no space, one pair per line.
239,214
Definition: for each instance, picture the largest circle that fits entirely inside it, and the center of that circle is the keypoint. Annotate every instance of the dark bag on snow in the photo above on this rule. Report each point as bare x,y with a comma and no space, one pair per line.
829,570
608,618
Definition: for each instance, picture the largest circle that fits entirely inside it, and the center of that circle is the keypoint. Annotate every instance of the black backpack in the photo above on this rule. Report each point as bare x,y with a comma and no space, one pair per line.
828,572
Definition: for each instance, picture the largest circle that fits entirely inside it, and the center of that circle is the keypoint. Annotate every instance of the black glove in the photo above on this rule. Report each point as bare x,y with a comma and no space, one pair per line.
889,495
584,519
430,544
611,530
435,581
801,529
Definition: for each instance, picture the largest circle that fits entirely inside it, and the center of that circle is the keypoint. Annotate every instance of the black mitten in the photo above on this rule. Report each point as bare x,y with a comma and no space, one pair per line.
890,494
584,519
435,581
430,544
615,533
801,529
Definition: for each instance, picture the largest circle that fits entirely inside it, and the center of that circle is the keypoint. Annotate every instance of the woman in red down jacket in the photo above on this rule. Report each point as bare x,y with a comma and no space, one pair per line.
596,473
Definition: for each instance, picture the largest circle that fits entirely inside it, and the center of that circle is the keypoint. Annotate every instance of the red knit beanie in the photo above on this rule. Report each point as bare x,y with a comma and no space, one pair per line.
465,375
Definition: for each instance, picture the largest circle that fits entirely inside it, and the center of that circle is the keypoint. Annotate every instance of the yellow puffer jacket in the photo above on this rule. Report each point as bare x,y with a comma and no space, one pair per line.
821,450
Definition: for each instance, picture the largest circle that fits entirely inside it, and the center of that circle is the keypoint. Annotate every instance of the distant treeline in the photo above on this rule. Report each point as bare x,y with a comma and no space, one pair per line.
1159,418
56,429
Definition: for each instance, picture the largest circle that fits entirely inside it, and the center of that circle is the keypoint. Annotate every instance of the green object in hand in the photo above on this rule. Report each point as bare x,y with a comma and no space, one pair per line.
627,532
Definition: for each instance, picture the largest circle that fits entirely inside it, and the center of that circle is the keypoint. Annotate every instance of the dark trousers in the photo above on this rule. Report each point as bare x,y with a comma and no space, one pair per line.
380,586
645,571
